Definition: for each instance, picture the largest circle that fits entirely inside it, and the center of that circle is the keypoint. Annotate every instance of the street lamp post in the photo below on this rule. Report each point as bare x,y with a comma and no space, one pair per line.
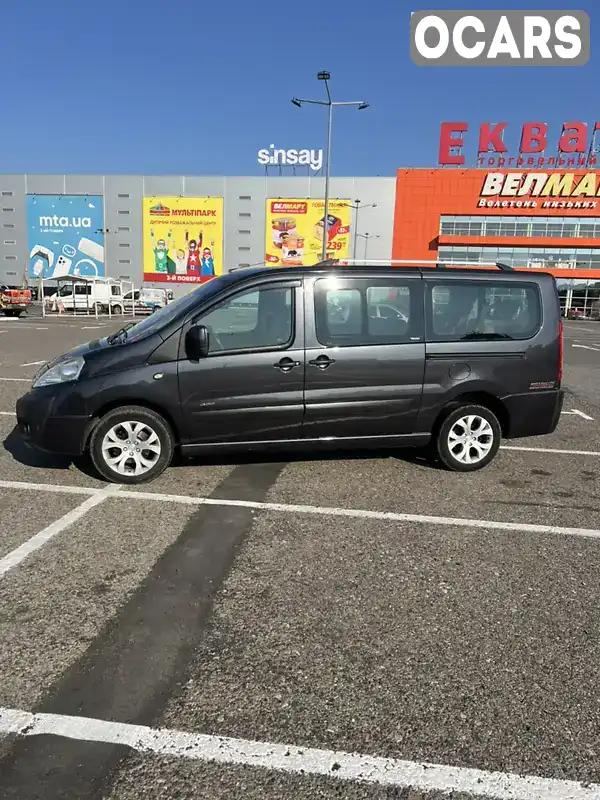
325,77
356,205
366,237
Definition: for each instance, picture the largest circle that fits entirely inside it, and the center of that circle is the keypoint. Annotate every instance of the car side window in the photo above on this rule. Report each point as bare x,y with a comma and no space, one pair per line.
363,311
253,320
482,311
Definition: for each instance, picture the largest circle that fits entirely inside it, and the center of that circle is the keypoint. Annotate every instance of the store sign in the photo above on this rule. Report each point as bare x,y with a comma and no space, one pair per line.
539,190
573,147
291,158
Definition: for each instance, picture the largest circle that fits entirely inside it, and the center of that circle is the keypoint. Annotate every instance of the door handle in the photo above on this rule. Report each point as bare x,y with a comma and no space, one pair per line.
322,362
286,364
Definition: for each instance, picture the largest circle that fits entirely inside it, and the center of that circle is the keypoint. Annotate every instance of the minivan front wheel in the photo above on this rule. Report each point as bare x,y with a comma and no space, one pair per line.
468,438
131,445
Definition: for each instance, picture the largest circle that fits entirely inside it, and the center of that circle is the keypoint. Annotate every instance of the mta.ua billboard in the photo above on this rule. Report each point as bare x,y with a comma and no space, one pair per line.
65,235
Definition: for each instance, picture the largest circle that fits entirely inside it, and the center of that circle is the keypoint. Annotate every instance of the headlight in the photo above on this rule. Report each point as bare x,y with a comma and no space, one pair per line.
64,371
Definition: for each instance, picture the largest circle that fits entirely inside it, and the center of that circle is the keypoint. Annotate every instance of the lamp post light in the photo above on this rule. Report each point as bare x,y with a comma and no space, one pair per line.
367,237
331,104
357,205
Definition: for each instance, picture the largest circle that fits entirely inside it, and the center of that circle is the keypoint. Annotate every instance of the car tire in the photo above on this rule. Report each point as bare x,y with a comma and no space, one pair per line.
468,438
98,308
117,309
117,445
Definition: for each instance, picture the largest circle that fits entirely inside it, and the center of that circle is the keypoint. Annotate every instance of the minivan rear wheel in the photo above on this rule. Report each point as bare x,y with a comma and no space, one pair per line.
131,445
469,438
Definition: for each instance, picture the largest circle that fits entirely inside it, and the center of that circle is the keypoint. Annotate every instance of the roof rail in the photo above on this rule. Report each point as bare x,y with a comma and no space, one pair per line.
383,262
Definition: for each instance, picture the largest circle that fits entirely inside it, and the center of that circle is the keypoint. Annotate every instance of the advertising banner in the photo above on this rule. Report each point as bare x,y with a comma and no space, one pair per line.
65,235
183,238
294,235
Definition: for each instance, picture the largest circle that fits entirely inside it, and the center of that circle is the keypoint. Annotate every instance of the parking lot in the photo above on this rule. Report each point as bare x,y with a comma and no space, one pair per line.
356,627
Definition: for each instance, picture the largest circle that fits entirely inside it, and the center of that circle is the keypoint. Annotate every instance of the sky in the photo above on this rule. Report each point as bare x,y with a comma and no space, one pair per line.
193,87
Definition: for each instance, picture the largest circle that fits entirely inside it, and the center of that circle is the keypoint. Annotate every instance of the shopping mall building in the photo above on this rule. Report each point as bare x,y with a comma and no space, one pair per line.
529,218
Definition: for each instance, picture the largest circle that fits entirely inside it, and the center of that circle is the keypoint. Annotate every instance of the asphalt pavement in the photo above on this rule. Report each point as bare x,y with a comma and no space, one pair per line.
359,627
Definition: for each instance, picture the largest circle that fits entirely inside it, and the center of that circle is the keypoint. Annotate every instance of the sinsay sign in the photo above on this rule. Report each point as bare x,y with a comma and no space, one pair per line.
289,158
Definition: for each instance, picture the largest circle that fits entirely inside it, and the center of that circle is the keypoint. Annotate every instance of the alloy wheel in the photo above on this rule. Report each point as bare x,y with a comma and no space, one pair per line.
470,439
131,448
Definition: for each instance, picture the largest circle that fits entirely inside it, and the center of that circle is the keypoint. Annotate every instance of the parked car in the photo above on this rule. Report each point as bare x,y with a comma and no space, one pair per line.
93,295
292,358
148,299
14,302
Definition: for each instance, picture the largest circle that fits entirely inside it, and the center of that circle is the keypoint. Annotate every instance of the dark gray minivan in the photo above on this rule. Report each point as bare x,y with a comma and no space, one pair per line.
312,357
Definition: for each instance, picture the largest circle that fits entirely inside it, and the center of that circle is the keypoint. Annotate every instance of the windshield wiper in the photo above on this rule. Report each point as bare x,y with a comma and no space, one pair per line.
484,336
121,333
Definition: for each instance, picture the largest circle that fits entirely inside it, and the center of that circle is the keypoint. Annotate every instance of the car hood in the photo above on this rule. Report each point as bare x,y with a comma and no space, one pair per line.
100,356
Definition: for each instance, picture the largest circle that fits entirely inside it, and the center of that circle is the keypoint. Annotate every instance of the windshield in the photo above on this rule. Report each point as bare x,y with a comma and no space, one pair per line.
178,308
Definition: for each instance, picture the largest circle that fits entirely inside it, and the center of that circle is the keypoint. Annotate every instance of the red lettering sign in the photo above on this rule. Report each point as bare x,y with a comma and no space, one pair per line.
572,140
492,136
534,138
448,141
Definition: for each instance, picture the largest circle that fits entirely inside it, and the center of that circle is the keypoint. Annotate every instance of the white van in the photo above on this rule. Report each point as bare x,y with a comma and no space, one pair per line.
96,296
148,299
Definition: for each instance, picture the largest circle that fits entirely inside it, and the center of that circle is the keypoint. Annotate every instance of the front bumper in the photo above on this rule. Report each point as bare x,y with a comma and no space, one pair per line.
42,427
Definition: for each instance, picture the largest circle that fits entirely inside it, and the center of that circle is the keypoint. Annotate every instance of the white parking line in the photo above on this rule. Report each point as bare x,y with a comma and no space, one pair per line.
17,380
7,413
580,328
586,347
15,557
294,759
556,450
289,508
52,488
577,413
32,363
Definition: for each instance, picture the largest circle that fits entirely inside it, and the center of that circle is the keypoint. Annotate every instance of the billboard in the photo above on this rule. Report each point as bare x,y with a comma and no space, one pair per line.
65,235
183,238
294,235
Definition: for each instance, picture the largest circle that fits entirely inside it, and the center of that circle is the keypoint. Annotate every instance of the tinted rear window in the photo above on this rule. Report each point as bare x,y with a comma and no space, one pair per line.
481,310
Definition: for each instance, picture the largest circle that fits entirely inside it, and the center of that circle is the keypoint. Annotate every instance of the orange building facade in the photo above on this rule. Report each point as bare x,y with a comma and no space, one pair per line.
530,219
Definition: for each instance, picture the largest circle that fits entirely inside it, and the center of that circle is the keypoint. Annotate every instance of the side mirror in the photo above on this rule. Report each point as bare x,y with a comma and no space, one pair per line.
196,343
